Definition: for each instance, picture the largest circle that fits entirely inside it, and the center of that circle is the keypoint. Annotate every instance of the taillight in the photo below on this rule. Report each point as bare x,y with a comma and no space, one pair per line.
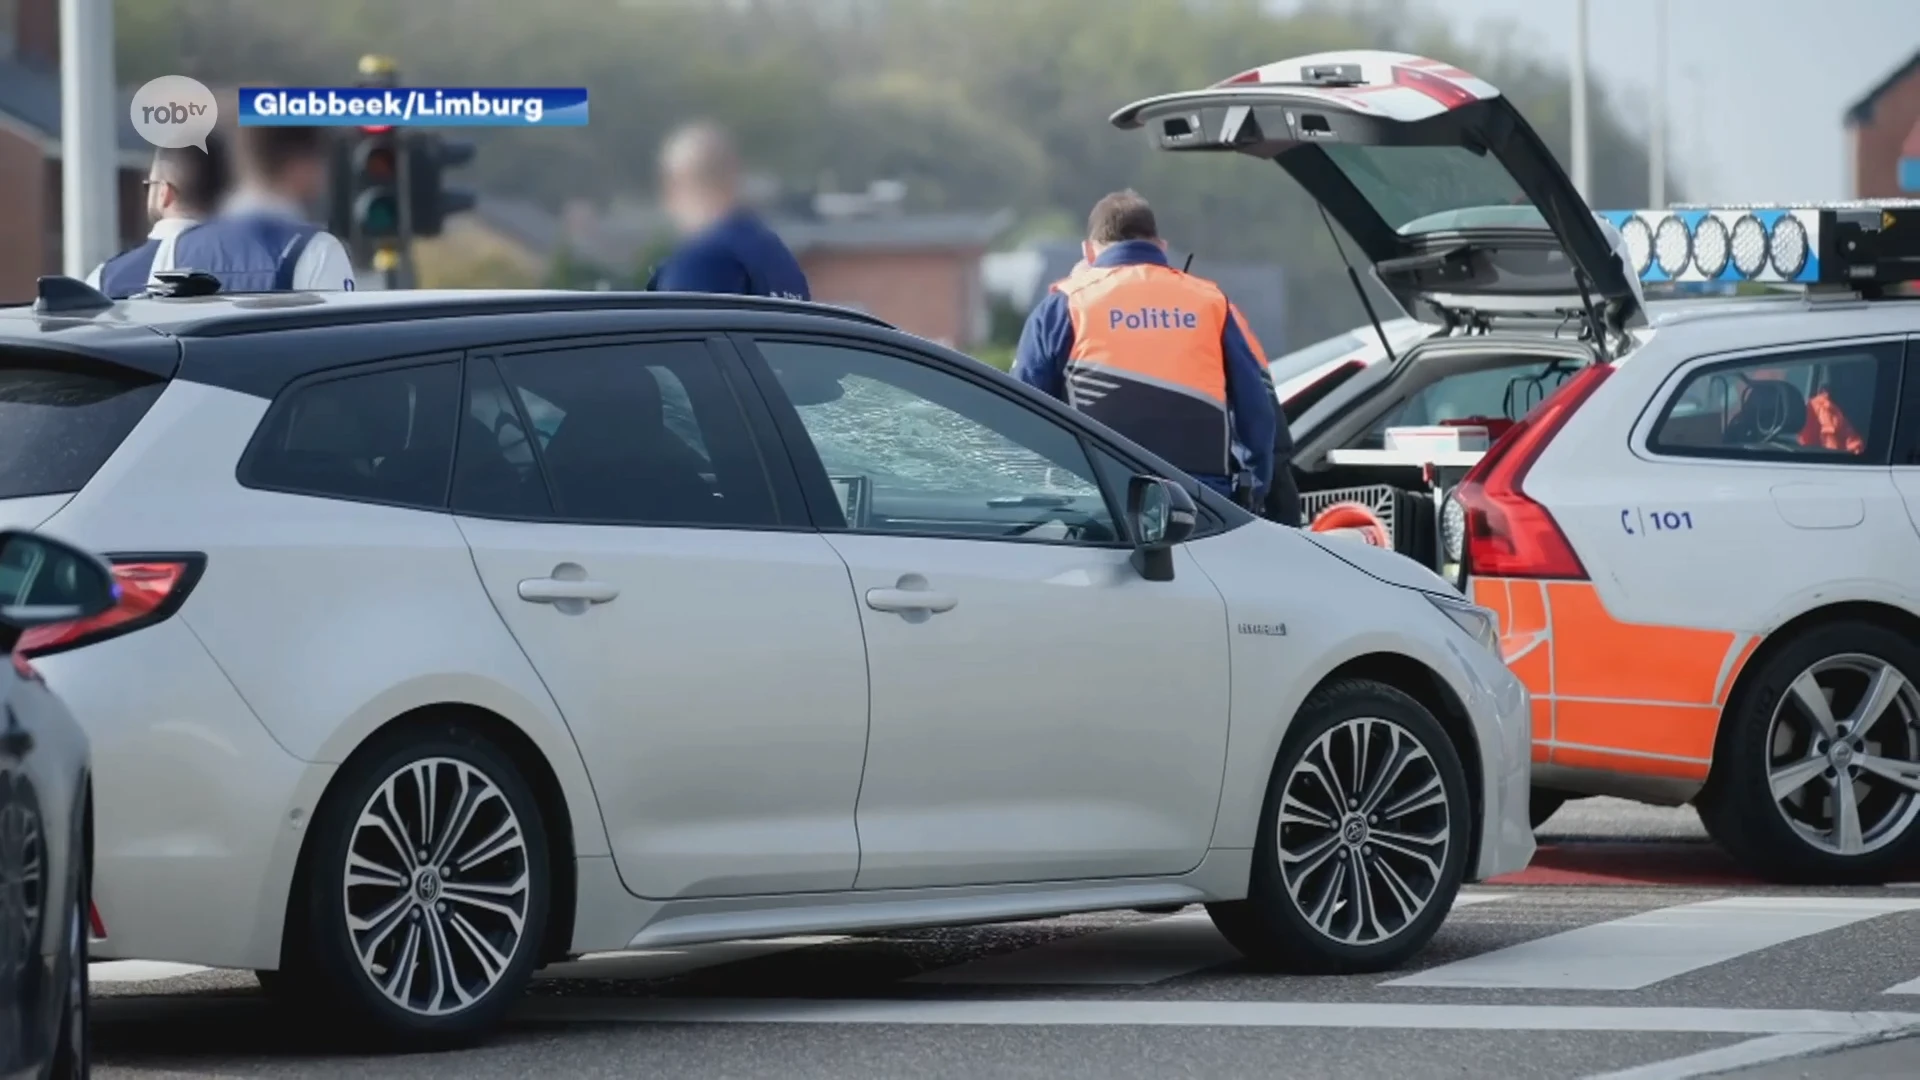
1508,534
96,926
152,587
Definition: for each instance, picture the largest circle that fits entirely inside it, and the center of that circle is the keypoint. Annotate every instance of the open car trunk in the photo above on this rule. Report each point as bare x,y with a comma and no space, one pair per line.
1464,216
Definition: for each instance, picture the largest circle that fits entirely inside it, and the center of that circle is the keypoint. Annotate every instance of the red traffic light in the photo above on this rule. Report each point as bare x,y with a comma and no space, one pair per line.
377,129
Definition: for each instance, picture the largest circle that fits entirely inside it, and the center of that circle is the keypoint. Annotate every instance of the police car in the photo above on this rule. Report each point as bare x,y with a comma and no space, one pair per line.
1698,525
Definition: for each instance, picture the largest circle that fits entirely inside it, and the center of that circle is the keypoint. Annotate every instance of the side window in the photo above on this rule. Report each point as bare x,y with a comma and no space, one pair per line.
639,434
1833,405
913,449
386,436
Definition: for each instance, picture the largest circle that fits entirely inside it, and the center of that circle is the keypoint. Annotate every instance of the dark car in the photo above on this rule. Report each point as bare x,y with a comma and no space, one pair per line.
45,816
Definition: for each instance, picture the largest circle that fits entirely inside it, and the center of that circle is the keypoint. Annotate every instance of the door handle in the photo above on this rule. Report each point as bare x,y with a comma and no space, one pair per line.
568,589
556,590
911,599
901,600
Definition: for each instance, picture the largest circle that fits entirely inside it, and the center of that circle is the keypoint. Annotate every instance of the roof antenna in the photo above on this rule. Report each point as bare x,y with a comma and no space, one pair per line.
1188,265
1358,288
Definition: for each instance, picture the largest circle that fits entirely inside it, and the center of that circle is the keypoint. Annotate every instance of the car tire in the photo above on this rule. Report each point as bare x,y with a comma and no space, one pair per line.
469,899
1772,734
72,1056
1297,917
1543,804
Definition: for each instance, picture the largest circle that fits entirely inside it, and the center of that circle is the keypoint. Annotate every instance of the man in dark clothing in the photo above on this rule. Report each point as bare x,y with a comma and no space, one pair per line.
184,188
262,240
724,246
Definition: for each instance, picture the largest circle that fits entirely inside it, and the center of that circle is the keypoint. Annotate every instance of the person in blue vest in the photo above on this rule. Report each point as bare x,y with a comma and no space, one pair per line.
724,246
263,240
184,187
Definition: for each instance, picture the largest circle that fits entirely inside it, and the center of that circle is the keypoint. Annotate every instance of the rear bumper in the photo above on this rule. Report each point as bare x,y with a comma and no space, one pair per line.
198,812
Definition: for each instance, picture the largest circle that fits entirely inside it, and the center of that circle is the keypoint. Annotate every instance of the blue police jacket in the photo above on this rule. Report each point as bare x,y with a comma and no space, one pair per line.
1040,361
126,274
740,255
247,252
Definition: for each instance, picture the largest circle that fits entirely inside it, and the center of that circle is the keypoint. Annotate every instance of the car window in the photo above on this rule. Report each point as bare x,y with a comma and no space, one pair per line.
60,419
1827,405
914,449
634,434
385,436
1498,395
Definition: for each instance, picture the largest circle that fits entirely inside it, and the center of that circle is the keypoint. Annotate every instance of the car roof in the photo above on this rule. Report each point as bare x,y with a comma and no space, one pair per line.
220,315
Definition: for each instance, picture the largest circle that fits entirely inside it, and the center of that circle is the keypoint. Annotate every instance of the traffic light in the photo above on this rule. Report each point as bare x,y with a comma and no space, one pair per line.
376,185
428,158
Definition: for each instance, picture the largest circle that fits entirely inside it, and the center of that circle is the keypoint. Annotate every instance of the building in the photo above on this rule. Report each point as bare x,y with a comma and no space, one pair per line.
30,212
918,271
1883,137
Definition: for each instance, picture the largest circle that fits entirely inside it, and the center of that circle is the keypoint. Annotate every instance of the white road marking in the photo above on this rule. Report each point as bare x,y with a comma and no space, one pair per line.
1643,949
1255,1014
119,971
1911,986
663,963
1134,955
1740,1055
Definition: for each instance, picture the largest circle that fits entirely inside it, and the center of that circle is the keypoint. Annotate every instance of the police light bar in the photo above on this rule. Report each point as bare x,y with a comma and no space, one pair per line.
1859,244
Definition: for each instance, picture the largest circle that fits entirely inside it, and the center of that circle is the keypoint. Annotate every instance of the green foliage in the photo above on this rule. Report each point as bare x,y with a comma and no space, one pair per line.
978,104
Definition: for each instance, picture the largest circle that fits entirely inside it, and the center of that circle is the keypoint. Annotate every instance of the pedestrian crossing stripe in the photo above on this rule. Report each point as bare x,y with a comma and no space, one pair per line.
1623,954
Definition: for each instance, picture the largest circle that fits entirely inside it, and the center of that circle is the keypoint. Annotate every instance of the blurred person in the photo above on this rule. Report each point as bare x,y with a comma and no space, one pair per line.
1162,357
262,239
724,246
184,187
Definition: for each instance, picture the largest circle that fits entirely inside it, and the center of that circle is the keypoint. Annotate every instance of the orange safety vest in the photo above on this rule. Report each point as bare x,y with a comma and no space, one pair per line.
1146,360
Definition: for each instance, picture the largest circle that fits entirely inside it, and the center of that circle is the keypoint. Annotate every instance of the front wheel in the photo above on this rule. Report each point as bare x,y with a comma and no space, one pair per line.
72,1055
1817,776
1363,839
428,892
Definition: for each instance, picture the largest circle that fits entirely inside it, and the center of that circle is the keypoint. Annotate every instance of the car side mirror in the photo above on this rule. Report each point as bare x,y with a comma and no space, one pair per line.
44,581
1160,514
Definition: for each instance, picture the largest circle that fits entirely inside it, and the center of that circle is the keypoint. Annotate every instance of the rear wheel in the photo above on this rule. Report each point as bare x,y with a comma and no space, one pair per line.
1817,777
1363,838
427,892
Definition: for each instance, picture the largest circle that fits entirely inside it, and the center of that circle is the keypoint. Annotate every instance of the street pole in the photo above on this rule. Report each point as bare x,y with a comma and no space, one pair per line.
1657,130
1581,170
89,166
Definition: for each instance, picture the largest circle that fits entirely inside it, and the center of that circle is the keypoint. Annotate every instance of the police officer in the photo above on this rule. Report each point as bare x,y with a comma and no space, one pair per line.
184,187
261,240
1156,354
724,246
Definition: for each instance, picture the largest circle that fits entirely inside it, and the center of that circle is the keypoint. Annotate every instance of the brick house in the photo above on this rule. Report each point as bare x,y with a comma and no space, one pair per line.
918,271
30,211
1883,130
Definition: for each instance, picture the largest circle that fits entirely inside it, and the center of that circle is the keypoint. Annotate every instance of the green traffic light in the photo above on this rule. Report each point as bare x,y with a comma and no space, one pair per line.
379,214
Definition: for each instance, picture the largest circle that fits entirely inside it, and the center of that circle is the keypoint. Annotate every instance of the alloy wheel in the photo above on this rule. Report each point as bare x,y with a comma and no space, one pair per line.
22,875
1364,826
1843,754
437,886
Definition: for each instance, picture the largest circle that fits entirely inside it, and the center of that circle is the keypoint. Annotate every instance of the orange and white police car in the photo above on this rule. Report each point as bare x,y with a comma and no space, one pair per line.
1698,524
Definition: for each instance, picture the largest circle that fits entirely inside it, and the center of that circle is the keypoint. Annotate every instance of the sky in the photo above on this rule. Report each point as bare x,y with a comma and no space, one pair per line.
1757,88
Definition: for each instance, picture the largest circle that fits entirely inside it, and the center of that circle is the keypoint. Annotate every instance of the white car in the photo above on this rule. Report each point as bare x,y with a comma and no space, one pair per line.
471,631
1703,545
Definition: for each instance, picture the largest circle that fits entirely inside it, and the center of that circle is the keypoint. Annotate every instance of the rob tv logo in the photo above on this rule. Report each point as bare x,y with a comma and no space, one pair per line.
175,111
